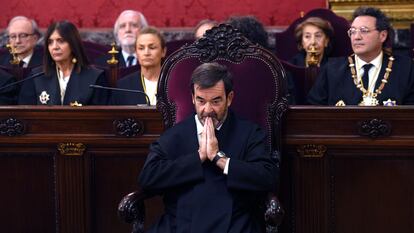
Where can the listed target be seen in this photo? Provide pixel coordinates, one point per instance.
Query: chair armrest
(274, 213)
(131, 209)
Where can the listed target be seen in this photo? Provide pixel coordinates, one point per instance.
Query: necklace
(369, 98)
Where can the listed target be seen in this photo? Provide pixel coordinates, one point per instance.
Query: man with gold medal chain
(372, 75)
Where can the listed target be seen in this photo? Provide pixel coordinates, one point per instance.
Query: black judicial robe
(35, 60)
(197, 196)
(335, 83)
(9, 94)
(299, 59)
(77, 88)
(131, 82)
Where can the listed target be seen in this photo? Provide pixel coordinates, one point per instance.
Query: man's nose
(208, 108)
(128, 27)
(357, 35)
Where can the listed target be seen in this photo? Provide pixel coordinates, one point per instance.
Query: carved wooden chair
(94, 50)
(260, 95)
(303, 79)
(286, 46)
(174, 45)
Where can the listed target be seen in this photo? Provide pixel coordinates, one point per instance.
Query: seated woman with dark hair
(150, 49)
(313, 37)
(67, 74)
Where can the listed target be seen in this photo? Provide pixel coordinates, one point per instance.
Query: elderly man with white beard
(126, 28)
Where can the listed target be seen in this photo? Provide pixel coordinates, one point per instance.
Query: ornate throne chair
(260, 95)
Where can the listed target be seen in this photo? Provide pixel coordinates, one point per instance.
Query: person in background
(23, 34)
(150, 50)
(203, 26)
(251, 28)
(313, 33)
(126, 27)
(67, 74)
(371, 76)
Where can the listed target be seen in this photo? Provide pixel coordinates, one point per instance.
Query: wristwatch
(220, 154)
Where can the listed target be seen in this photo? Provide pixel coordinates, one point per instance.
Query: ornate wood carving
(223, 42)
(311, 151)
(129, 127)
(374, 128)
(71, 149)
(12, 127)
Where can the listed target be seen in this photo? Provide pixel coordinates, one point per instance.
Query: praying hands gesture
(208, 144)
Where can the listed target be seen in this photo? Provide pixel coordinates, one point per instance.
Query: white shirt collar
(376, 62)
(125, 55)
(27, 60)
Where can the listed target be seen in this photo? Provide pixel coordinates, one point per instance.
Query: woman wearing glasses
(313, 36)
(66, 74)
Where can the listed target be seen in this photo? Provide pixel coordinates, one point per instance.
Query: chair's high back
(259, 81)
(113, 73)
(303, 79)
(286, 46)
(174, 45)
(94, 50)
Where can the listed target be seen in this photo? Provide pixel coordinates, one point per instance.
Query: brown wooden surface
(44, 191)
(360, 184)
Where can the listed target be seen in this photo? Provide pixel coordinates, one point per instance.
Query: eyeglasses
(21, 36)
(363, 30)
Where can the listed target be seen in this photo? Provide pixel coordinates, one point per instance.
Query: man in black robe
(213, 168)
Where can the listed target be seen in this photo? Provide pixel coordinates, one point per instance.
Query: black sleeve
(27, 94)
(161, 172)
(257, 171)
(100, 96)
(8, 95)
(319, 93)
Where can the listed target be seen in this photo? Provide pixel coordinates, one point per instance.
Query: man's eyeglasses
(21, 36)
(362, 30)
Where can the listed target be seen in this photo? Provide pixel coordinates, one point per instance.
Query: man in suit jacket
(370, 77)
(126, 28)
(23, 35)
(213, 168)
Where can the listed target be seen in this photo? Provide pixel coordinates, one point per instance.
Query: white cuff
(226, 168)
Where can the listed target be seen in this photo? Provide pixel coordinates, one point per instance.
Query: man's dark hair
(70, 34)
(382, 22)
(208, 74)
(251, 28)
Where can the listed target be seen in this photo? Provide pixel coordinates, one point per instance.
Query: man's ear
(383, 35)
(192, 98)
(230, 98)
